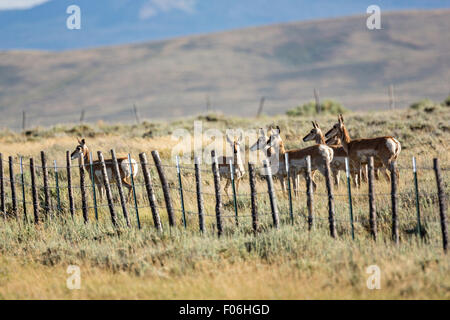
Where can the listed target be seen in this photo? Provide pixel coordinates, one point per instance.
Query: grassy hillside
(289, 263)
(234, 69)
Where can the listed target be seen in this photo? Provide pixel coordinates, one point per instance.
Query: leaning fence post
(329, 185)
(255, 221)
(58, 198)
(108, 189)
(84, 205)
(180, 185)
(46, 189)
(150, 191)
(94, 194)
(165, 187)
(372, 209)
(120, 187)
(198, 184)
(350, 204)
(273, 200)
(2, 187)
(233, 186)
(394, 200)
(24, 202)
(215, 170)
(288, 174)
(134, 191)
(442, 203)
(34, 192)
(13, 186)
(416, 187)
(69, 184)
(309, 194)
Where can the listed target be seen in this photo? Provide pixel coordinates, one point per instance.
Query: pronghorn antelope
(238, 165)
(319, 154)
(339, 154)
(336, 141)
(82, 153)
(386, 149)
(263, 144)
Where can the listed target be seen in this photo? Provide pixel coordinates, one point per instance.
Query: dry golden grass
(288, 263)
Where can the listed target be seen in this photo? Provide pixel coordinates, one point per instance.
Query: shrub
(446, 102)
(309, 109)
(426, 105)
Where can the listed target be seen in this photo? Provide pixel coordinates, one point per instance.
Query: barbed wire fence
(168, 188)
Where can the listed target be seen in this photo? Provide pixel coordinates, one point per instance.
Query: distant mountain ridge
(233, 70)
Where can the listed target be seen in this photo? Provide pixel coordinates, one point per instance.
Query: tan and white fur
(338, 163)
(319, 154)
(263, 144)
(238, 165)
(82, 153)
(386, 149)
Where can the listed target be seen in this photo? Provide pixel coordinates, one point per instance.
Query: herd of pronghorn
(334, 150)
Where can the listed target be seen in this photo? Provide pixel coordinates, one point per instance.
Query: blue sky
(41, 24)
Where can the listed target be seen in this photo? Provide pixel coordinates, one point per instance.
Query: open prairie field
(285, 263)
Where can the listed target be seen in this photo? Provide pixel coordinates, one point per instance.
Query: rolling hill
(233, 70)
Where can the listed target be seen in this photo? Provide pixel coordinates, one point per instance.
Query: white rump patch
(391, 145)
(125, 165)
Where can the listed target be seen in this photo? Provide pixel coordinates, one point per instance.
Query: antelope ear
(83, 142)
(342, 118)
(314, 125)
(317, 125)
(279, 130)
(79, 140)
(228, 139)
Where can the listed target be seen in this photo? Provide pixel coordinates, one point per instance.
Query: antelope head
(261, 143)
(275, 140)
(235, 144)
(337, 129)
(314, 134)
(80, 151)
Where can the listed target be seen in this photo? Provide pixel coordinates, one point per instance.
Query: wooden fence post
(331, 215)
(150, 191)
(84, 205)
(58, 198)
(108, 189)
(133, 189)
(13, 186)
(94, 193)
(372, 208)
(46, 189)
(198, 185)
(123, 202)
(416, 188)
(34, 192)
(288, 175)
(349, 191)
(2, 187)
(394, 200)
(215, 170)
(165, 187)
(273, 200)
(24, 201)
(442, 204)
(180, 184)
(309, 194)
(233, 187)
(69, 184)
(254, 200)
